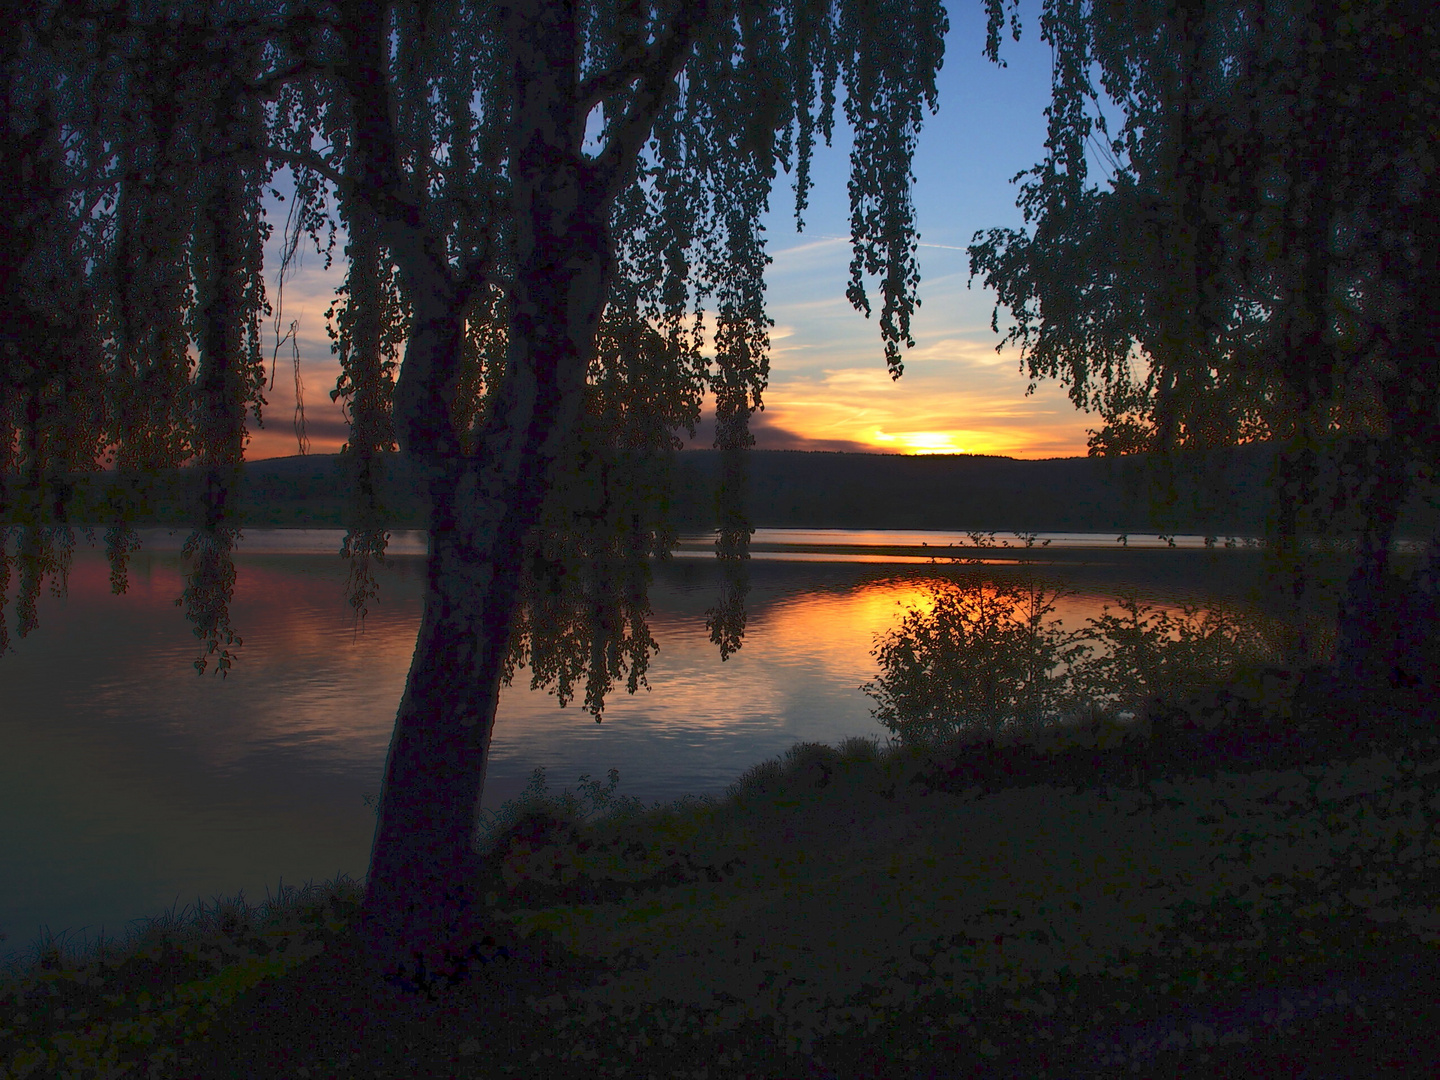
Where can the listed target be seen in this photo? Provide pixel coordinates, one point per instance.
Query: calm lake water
(128, 785)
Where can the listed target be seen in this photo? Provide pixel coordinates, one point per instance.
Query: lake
(129, 785)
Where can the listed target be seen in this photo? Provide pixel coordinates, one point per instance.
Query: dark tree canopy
(552, 212)
(1261, 264)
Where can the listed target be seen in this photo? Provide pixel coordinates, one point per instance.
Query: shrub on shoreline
(984, 660)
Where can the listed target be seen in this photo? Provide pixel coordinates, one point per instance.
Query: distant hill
(792, 488)
(952, 491)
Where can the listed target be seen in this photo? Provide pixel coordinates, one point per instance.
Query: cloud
(824, 245)
(326, 434)
(771, 434)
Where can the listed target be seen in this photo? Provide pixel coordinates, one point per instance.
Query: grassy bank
(1010, 907)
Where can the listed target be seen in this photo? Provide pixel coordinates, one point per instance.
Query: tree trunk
(1381, 626)
(1420, 666)
(419, 886)
(421, 861)
(1286, 577)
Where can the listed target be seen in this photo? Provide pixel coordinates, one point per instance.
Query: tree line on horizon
(803, 489)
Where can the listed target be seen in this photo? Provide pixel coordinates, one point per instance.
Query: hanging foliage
(1255, 268)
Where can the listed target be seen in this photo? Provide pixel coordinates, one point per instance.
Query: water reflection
(128, 784)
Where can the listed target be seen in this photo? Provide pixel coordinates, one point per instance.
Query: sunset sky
(829, 389)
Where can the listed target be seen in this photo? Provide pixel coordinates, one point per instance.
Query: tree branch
(379, 181)
(266, 86)
(662, 62)
(482, 269)
(290, 157)
(299, 33)
(599, 87)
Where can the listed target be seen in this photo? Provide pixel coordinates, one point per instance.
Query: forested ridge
(804, 489)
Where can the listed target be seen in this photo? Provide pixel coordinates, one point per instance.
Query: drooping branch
(661, 64)
(344, 184)
(300, 31)
(481, 267)
(379, 181)
(267, 86)
(598, 87)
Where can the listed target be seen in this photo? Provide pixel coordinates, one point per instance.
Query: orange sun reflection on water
(832, 636)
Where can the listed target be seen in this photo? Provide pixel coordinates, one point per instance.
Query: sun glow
(921, 442)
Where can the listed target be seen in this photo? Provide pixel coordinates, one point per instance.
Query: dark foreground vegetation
(1320, 970)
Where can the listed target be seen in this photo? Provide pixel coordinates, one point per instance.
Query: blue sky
(829, 389)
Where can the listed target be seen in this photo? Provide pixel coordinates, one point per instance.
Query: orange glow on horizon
(922, 442)
(906, 444)
(932, 411)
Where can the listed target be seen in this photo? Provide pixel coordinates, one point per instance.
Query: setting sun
(920, 442)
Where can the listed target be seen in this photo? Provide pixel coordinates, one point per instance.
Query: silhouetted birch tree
(555, 251)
